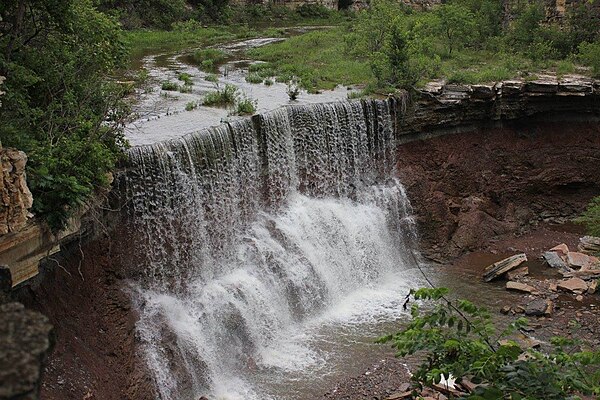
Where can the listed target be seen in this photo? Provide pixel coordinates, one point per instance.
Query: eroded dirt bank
(95, 353)
(466, 188)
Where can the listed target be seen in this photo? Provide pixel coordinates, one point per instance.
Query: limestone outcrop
(441, 105)
(16, 197)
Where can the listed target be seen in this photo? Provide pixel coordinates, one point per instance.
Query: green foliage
(208, 59)
(245, 106)
(211, 78)
(192, 105)
(169, 86)
(254, 78)
(456, 25)
(145, 13)
(591, 217)
(186, 79)
(222, 97)
(59, 107)
(313, 11)
(589, 54)
(460, 339)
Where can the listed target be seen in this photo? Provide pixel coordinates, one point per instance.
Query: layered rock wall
(16, 198)
(483, 161)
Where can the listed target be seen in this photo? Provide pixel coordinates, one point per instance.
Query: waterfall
(249, 232)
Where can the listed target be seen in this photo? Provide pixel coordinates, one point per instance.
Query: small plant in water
(245, 106)
(222, 97)
(268, 82)
(211, 78)
(186, 79)
(293, 90)
(254, 78)
(192, 105)
(169, 86)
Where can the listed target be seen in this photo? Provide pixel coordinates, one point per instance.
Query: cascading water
(255, 235)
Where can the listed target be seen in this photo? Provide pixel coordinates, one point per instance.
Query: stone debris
(561, 248)
(589, 245)
(555, 261)
(592, 287)
(583, 261)
(539, 307)
(520, 287)
(517, 273)
(574, 285)
(503, 266)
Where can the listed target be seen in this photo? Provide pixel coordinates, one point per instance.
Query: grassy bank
(318, 58)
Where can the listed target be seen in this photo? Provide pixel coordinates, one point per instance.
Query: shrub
(211, 78)
(589, 54)
(245, 106)
(460, 340)
(186, 79)
(192, 105)
(313, 11)
(208, 59)
(254, 78)
(169, 86)
(591, 217)
(222, 97)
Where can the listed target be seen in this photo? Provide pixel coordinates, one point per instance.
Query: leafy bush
(222, 97)
(591, 217)
(460, 340)
(254, 78)
(245, 106)
(186, 79)
(307, 10)
(589, 54)
(59, 107)
(169, 86)
(208, 59)
(192, 105)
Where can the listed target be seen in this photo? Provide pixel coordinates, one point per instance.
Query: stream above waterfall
(162, 115)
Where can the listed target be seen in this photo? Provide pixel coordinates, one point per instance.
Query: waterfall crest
(249, 231)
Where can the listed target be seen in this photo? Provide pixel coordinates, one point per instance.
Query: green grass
(186, 79)
(317, 58)
(211, 78)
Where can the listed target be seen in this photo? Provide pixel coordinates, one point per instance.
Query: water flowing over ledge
(251, 231)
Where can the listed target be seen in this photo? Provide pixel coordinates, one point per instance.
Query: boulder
(539, 307)
(574, 285)
(503, 266)
(555, 261)
(520, 287)
(583, 261)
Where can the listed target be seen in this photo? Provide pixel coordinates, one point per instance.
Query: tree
(456, 25)
(59, 106)
(591, 216)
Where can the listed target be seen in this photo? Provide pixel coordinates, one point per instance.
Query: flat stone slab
(583, 261)
(503, 266)
(574, 285)
(539, 307)
(520, 287)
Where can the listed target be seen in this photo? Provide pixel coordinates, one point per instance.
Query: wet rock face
(24, 344)
(16, 199)
(469, 187)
